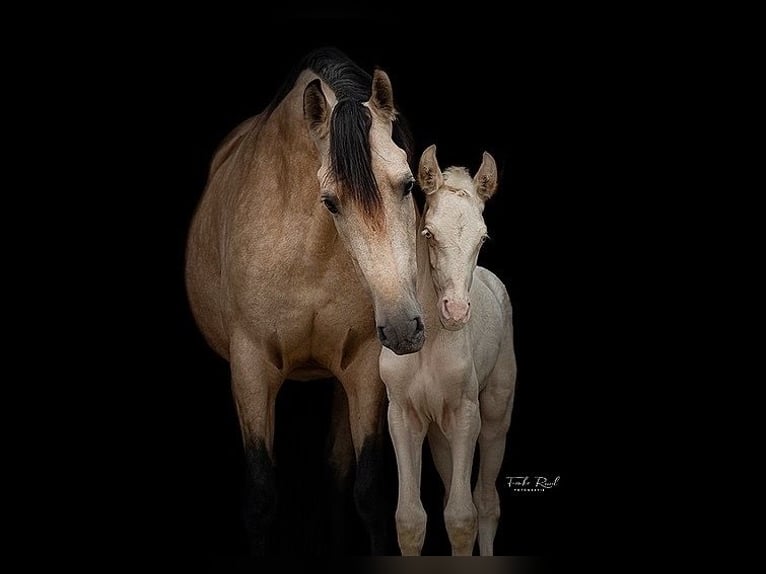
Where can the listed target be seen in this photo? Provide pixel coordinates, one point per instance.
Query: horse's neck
(287, 152)
(286, 146)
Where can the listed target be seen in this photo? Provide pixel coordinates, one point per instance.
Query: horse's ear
(316, 110)
(429, 173)
(382, 99)
(486, 178)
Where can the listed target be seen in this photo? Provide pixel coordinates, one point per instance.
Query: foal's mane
(350, 158)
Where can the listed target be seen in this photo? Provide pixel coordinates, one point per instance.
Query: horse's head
(455, 230)
(366, 184)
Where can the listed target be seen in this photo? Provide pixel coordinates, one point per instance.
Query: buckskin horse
(301, 262)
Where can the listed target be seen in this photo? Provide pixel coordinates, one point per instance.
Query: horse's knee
(260, 502)
(411, 528)
(461, 522)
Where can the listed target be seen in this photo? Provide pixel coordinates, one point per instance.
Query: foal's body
(459, 387)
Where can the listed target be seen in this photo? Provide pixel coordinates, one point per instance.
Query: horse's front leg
(255, 384)
(366, 408)
(460, 515)
(407, 432)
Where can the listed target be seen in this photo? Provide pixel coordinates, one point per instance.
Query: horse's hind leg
(255, 384)
(496, 402)
(366, 404)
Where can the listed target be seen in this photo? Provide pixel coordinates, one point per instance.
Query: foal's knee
(411, 528)
(461, 523)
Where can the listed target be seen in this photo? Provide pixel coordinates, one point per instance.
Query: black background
(537, 108)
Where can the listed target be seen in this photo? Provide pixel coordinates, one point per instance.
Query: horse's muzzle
(403, 337)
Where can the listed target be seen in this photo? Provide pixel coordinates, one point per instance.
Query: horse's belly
(308, 374)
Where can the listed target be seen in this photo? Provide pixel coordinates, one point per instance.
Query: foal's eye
(408, 187)
(330, 204)
(427, 234)
(484, 238)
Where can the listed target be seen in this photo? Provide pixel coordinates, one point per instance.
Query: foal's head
(455, 230)
(366, 184)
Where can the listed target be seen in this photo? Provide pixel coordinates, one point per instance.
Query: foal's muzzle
(454, 313)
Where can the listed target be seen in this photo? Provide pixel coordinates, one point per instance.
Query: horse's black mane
(349, 124)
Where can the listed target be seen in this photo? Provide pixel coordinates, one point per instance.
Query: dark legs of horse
(367, 407)
(369, 492)
(340, 468)
(255, 384)
(260, 496)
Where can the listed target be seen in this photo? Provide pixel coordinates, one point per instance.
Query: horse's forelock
(350, 155)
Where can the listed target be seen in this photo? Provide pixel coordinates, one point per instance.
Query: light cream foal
(459, 387)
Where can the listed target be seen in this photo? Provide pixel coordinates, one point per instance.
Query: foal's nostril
(381, 335)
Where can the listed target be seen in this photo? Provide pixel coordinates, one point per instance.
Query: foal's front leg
(460, 514)
(407, 433)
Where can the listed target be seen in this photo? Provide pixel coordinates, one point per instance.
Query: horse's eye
(330, 204)
(408, 187)
(484, 237)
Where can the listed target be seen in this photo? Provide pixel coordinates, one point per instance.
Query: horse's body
(301, 256)
(459, 387)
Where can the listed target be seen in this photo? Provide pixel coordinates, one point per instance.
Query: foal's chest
(428, 382)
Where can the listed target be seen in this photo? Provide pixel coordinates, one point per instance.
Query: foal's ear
(316, 110)
(486, 178)
(382, 98)
(429, 173)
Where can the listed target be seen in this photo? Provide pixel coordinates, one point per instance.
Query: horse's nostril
(418, 325)
(381, 334)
